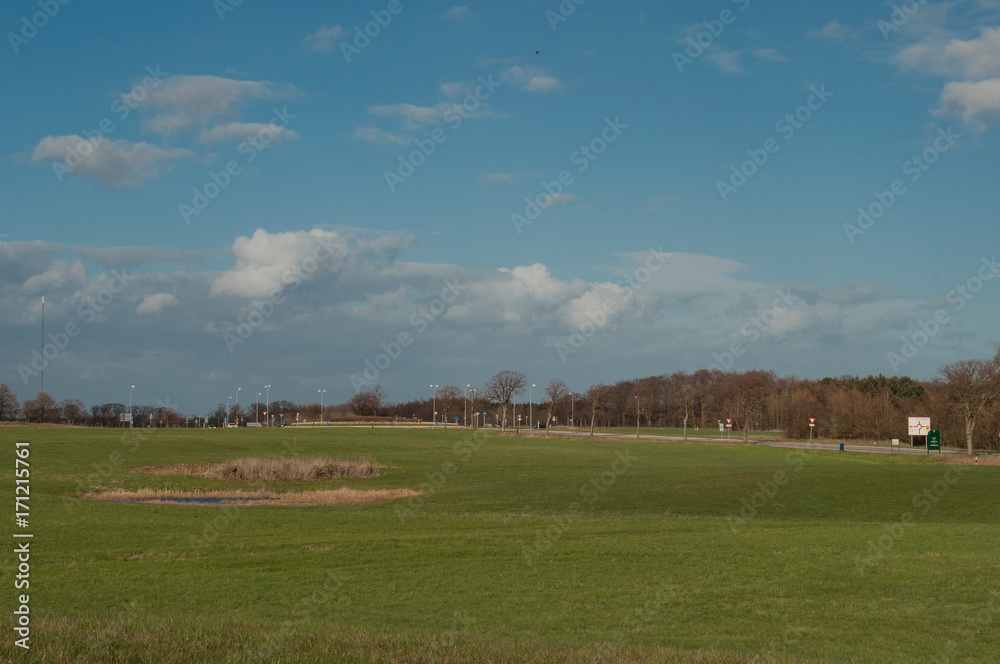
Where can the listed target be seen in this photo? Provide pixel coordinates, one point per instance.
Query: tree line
(963, 402)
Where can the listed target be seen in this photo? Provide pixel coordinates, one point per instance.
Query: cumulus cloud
(241, 131)
(458, 14)
(345, 292)
(184, 102)
(324, 39)
(118, 164)
(531, 79)
(154, 304)
(833, 31)
(974, 101)
(375, 135)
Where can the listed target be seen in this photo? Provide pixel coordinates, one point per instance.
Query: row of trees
(963, 402)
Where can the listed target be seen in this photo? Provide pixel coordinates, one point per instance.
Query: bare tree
(556, 392)
(972, 386)
(447, 397)
(40, 409)
(367, 402)
(750, 392)
(599, 398)
(72, 410)
(10, 408)
(503, 387)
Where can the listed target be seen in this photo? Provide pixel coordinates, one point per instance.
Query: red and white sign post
(812, 425)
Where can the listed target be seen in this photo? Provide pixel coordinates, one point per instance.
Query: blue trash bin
(841, 447)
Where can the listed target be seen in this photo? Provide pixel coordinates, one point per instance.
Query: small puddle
(194, 501)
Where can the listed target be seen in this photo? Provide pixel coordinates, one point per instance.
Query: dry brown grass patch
(342, 496)
(270, 469)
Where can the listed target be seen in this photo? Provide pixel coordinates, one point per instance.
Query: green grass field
(519, 550)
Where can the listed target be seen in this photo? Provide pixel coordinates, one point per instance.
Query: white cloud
(324, 39)
(559, 199)
(118, 164)
(154, 304)
(376, 135)
(458, 14)
(531, 79)
(414, 115)
(835, 31)
(978, 58)
(241, 131)
(975, 101)
(186, 102)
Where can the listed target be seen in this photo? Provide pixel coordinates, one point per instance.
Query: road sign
(919, 426)
(933, 440)
(812, 420)
(729, 420)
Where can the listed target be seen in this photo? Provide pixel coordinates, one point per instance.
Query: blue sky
(309, 123)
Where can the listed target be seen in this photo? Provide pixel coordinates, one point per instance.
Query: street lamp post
(267, 404)
(529, 405)
(465, 417)
(256, 410)
(434, 407)
(238, 389)
(572, 409)
(229, 409)
(321, 393)
(130, 406)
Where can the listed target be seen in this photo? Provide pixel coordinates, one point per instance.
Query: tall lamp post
(465, 417)
(229, 408)
(256, 410)
(434, 407)
(529, 405)
(267, 405)
(572, 409)
(321, 393)
(238, 389)
(132, 387)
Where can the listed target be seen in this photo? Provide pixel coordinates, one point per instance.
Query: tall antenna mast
(43, 344)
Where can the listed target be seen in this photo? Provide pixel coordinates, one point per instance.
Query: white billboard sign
(919, 426)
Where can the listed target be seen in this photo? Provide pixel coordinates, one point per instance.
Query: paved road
(832, 447)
